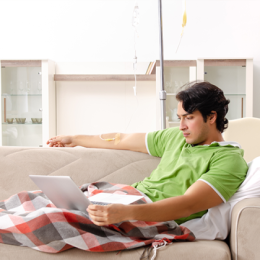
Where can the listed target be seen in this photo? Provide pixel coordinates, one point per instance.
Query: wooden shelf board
(178, 63)
(21, 63)
(74, 77)
(225, 62)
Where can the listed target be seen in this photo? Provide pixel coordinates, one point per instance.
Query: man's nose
(182, 125)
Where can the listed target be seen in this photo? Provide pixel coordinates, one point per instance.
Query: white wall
(95, 30)
(105, 107)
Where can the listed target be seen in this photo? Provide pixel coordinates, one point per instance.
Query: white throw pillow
(215, 224)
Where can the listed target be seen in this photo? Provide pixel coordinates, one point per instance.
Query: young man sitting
(198, 169)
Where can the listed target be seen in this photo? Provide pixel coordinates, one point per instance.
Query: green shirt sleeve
(157, 141)
(226, 172)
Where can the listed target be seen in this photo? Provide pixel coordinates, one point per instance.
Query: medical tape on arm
(116, 138)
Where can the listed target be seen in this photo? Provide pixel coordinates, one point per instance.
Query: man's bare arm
(200, 196)
(133, 142)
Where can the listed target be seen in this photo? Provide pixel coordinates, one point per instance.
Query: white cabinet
(235, 78)
(176, 74)
(28, 113)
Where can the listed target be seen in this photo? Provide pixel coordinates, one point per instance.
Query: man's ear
(212, 117)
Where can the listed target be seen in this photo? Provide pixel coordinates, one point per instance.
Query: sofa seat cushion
(198, 250)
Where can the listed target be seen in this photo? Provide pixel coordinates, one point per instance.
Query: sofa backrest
(245, 131)
(84, 165)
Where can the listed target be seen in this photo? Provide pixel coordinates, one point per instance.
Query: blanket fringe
(157, 244)
(147, 250)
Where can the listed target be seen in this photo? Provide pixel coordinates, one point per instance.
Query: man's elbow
(191, 207)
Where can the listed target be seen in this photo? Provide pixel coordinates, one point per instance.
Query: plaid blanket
(30, 219)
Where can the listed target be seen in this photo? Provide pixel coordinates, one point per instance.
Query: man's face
(194, 129)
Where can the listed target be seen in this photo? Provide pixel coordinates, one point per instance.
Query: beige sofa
(88, 165)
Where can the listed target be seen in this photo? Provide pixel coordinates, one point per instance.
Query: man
(197, 171)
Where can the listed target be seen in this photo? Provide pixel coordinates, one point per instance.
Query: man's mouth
(185, 134)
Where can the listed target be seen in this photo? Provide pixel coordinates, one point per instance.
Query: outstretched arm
(133, 142)
(200, 196)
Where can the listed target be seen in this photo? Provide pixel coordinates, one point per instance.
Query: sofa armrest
(245, 230)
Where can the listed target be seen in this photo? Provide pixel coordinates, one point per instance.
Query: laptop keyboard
(100, 203)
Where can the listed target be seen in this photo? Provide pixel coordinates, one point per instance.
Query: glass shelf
(17, 95)
(21, 124)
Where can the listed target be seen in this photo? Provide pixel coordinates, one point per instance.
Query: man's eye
(189, 118)
(179, 118)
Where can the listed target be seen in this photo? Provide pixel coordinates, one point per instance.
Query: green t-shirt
(181, 165)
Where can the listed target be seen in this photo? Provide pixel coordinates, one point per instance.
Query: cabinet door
(21, 105)
(174, 78)
(235, 78)
(232, 80)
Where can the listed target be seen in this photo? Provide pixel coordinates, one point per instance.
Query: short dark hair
(205, 97)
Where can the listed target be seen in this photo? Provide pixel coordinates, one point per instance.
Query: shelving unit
(177, 72)
(233, 76)
(27, 91)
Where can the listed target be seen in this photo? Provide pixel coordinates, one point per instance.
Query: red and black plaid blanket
(30, 219)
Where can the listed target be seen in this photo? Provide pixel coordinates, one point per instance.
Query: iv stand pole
(162, 93)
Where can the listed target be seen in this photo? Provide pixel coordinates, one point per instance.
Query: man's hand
(110, 214)
(62, 141)
(200, 196)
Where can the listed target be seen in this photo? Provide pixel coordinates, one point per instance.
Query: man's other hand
(61, 141)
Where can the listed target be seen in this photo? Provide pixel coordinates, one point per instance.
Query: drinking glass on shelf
(167, 86)
(39, 86)
(174, 115)
(171, 87)
(28, 87)
(11, 87)
(176, 86)
(21, 86)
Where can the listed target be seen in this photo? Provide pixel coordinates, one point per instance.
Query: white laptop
(64, 193)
